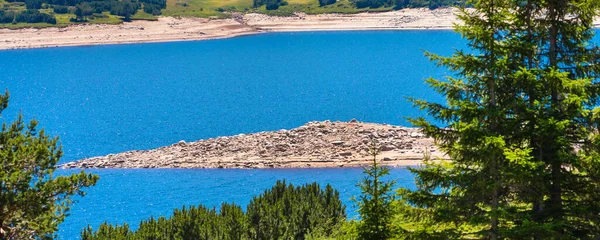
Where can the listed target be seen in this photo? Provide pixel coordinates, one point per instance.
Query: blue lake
(107, 99)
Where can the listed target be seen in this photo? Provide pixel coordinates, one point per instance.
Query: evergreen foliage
(154, 6)
(375, 202)
(33, 202)
(373, 3)
(288, 212)
(7, 16)
(326, 2)
(33, 4)
(60, 9)
(270, 4)
(27, 16)
(400, 4)
(431, 4)
(34, 16)
(283, 212)
(126, 9)
(83, 10)
(520, 125)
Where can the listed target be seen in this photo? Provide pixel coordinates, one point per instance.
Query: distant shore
(167, 29)
(313, 145)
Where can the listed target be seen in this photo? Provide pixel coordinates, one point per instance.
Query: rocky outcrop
(315, 144)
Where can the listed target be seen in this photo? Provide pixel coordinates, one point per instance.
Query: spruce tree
(467, 192)
(375, 202)
(560, 66)
(520, 123)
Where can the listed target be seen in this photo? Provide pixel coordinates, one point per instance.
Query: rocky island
(313, 145)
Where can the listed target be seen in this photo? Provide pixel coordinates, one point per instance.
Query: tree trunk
(556, 163)
(493, 123)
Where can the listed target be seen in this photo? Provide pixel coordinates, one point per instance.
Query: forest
(397, 4)
(27, 16)
(43, 11)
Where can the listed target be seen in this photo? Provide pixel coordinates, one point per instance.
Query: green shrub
(34, 16)
(326, 2)
(60, 9)
(270, 4)
(288, 212)
(283, 212)
(7, 16)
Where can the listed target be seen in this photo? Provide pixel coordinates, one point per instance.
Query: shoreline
(175, 29)
(249, 169)
(171, 29)
(314, 145)
(92, 44)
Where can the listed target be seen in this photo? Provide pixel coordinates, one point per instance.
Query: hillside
(16, 14)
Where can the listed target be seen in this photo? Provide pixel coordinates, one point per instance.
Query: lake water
(108, 99)
(136, 194)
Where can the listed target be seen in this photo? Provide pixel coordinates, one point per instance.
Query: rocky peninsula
(313, 145)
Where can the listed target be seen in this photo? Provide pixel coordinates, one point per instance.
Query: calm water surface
(108, 99)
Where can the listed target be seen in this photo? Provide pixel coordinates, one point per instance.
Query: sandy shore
(181, 29)
(313, 145)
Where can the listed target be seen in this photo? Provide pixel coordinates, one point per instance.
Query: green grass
(205, 8)
(141, 15)
(109, 19)
(29, 25)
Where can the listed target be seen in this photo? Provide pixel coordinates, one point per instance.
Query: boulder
(388, 147)
(346, 154)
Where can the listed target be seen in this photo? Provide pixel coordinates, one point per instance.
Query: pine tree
(375, 202)
(520, 124)
(33, 202)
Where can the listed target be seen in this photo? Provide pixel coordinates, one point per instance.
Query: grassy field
(141, 15)
(205, 8)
